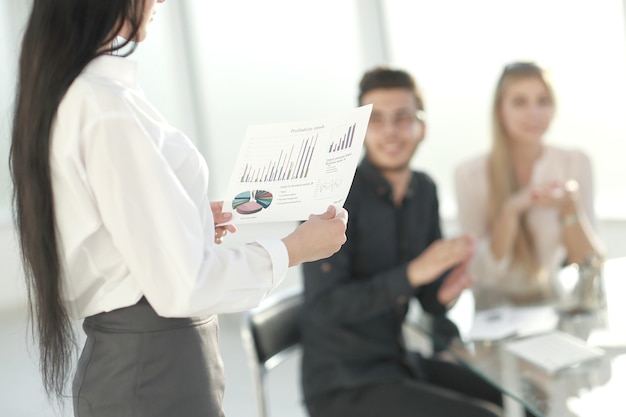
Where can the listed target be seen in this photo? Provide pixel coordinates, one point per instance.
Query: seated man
(355, 362)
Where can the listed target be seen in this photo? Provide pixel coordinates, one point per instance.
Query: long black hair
(61, 38)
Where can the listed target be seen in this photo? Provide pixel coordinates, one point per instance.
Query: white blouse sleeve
(161, 232)
(471, 189)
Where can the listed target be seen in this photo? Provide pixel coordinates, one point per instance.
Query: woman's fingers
(219, 217)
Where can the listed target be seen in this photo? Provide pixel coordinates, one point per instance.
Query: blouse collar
(120, 69)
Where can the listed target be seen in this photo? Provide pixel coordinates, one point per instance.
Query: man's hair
(384, 77)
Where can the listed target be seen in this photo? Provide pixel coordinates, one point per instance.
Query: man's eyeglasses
(400, 120)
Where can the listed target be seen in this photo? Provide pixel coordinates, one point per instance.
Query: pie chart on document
(250, 202)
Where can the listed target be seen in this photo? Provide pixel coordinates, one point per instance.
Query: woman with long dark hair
(115, 225)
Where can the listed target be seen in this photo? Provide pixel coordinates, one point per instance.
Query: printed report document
(287, 171)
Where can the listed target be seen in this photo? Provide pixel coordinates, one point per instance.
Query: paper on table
(604, 338)
(287, 171)
(502, 322)
(553, 351)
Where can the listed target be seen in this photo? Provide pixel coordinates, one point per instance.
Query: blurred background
(213, 68)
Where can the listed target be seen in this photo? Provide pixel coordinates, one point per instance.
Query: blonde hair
(501, 175)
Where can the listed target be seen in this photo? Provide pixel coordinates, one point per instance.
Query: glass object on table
(580, 288)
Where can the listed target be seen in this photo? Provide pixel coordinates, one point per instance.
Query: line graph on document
(327, 187)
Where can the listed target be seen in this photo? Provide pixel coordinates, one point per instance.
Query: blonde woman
(529, 203)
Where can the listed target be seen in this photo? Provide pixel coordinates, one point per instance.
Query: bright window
(457, 48)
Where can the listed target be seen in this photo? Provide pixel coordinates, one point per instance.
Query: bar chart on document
(287, 159)
(340, 147)
(286, 171)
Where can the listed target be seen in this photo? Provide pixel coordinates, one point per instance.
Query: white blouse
(498, 282)
(132, 214)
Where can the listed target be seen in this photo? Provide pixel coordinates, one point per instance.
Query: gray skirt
(138, 364)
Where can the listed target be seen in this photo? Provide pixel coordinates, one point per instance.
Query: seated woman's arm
(578, 215)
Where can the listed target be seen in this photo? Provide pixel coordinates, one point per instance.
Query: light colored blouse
(132, 214)
(499, 282)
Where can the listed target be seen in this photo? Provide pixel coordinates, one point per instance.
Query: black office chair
(271, 334)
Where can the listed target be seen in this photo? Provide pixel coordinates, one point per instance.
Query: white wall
(13, 293)
(12, 16)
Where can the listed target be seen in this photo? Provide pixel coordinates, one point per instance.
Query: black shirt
(356, 300)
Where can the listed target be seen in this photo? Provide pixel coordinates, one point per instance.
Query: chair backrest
(271, 333)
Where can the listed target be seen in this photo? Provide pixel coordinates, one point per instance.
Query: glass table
(593, 388)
